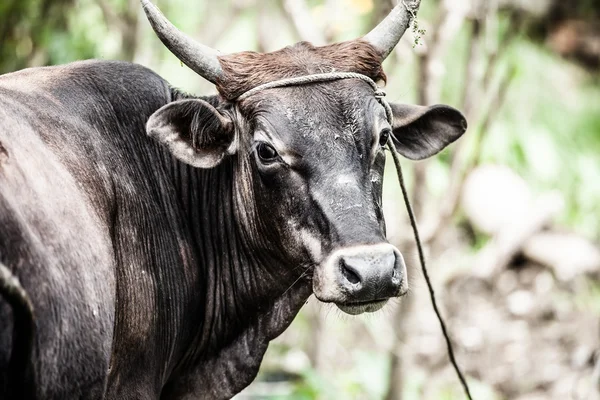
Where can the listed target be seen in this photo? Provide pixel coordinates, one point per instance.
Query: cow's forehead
(331, 113)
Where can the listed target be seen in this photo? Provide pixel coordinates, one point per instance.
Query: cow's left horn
(385, 36)
(200, 58)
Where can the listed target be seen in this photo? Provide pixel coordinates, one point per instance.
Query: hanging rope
(413, 223)
(380, 96)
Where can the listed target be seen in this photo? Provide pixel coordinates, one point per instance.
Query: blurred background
(510, 214)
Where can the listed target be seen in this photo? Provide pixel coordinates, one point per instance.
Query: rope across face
(379, 93)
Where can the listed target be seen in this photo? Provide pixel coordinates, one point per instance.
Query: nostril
(396, 268)
(349, 273)
(397, 274)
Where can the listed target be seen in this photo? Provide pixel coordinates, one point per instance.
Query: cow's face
(312, 158)
(309, 159)
(318, 151)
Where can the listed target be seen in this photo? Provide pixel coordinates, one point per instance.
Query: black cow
(153, 243)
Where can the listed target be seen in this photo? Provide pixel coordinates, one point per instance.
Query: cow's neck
(239, 305)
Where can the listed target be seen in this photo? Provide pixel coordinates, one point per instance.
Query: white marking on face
(348, 184)
(345, 180)
(312, 244)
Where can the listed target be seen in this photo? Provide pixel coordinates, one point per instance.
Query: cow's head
(310, 157)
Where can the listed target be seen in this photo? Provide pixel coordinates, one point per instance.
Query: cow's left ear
(420, 132)
(194, 131)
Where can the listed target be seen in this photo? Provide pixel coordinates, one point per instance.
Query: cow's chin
(359, 308)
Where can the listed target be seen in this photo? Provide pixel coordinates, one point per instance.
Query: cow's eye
(384, 136)
(266, 152)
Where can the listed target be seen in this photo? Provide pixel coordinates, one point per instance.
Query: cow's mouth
(356, 308)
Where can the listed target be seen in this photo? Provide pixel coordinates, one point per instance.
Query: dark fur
(121, 248)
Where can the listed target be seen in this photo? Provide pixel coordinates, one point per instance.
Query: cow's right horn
(385, 36)
(200, 58)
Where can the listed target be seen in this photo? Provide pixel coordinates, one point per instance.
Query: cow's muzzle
(361, 278)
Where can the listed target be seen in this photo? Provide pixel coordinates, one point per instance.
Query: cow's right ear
(194, 131)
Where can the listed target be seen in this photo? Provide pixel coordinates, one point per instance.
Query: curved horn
(385, 36)
(200, 58)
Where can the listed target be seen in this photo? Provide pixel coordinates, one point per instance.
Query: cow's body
(97, 215)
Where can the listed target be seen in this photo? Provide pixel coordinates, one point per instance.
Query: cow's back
(70, 155)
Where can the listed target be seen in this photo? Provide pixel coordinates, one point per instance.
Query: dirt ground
(523, 334)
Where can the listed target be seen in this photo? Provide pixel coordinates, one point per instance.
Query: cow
(152, 242)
